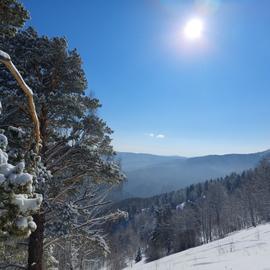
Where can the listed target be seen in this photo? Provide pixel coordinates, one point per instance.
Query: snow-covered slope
(244, 250)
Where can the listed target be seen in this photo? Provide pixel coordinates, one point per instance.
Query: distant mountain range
(149, 175)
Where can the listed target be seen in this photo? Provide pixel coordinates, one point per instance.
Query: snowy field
(244, 250)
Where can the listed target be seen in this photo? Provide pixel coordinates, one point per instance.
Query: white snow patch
(181, 206)
(22, 223)
(27, 204)
(6, 168)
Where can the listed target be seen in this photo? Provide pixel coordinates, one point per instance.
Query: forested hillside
(149, 175)
(198, 214)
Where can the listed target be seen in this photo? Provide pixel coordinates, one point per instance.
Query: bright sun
(193, 29)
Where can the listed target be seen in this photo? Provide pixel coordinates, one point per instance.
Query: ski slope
(244, 250)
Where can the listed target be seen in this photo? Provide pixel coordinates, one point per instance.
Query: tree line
(200, 213)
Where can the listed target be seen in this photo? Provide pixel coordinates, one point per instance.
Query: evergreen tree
(75, 141)
(12, 17)
(160, 242)
(138, 256)
(17, 197)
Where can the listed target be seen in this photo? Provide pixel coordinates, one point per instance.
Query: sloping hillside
(135, 161)
(149, 175)
(244, 250)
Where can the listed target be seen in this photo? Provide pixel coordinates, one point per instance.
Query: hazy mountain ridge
(148, 175)
(132, 161)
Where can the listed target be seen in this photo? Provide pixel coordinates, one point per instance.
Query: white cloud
(160, 136)
(153, 135)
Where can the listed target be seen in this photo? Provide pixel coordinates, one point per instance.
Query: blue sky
(164, 94)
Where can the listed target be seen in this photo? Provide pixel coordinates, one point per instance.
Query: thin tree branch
(6, 60)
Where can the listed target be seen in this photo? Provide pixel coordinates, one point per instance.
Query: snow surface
(26, 204)
(244, 250)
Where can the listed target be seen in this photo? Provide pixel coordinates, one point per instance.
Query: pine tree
(138, 256)
(12, 17)
(17, 197)
(160, 242)
(75, 141)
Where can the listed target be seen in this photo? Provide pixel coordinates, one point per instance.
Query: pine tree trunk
(35, 247)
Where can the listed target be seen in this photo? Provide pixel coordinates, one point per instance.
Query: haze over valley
(148, 175)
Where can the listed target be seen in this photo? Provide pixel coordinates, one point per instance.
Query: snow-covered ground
(244, 250)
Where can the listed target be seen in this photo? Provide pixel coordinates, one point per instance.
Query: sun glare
(193, 29)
